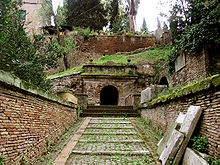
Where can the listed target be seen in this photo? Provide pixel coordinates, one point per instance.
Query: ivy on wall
(195, 25)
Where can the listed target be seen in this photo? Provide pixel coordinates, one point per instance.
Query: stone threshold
(130, 153)
(111, 141)
(120, 122)
(110, 127)
(97, 118)
(109, 133)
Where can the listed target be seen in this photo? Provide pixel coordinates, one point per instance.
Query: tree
(20, 56)
(165, 27)
(121, 21)
(65, 44)
(158, 23)
(144, 26)
(86, 13)
(133, 9)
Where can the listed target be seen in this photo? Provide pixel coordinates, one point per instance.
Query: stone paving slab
(110, 130)
(109, 118)
(110, 125)
(110, 122)
(129, 153)
(107, 160)
(109, 133)
(63, 156)
(111, 137)
(110, 141)
(110, 146)
(96, 127)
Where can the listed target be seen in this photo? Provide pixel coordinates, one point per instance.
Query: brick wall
(97, 46)
(114, 44)
(197, 66)
(161, 115)
(28, 121)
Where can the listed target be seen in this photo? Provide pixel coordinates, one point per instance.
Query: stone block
(151, 92)
(192, 158)
(180, 118)
(146, 95)
(180, 62)
(163, 142)
(172, 147)
(188, 126)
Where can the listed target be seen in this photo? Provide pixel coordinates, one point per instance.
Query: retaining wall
(160, 112)
(30, 119)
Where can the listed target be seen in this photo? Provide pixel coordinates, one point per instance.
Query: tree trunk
(65, 61)
(131, 20)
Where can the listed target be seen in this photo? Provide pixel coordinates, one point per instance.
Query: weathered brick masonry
(113, 44)
(29, 121)
(161, 114)
(97, 46)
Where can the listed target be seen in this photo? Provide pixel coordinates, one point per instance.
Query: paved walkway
(106, 141)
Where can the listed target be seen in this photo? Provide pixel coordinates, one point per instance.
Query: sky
(148, 9)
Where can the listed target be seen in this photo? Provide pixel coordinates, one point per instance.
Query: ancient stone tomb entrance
(109, 95)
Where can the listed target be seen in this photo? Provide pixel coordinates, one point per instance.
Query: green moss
(153, 55)
(188, 89)
(76, 69)
(216, 80)
(110, 74)
(27, 86)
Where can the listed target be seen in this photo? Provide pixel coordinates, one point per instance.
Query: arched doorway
(163, 81)
(109, 96)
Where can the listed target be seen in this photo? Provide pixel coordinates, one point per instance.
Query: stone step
(110, 127)
(109, 122)
(91, 114)
(111, 141)
(130, 153)
(109, 118)
(109, 133)
(110, 159)
(107, 107)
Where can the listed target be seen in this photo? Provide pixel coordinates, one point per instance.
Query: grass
(151, 56)
(109, 74)
(76, 69)
(148, 130)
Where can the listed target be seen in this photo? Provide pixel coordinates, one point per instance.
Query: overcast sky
(150, 9)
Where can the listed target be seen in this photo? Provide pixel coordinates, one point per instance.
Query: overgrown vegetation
(23, 57)
(192, 87)
(153, 135)
(76, 69)
(200, 143)
(2, 159)
(151, 56)
(195, 26)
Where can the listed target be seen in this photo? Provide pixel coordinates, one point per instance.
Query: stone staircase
(109, 110)
(110, 141)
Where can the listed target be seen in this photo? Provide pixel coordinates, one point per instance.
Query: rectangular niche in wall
(180, 62)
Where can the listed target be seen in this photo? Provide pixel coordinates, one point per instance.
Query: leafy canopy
(195, 25)
(19, 55)
(86, 13)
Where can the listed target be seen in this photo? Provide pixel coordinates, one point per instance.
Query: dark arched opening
(109, 95)
(163, 81)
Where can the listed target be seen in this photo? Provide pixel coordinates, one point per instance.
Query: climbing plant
(195, 25)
